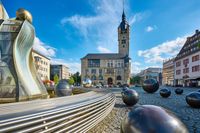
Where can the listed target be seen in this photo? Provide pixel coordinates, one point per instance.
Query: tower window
(123, 46)
(123, 41)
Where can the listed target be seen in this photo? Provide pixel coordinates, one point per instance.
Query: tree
(56, 79)
(77, 78)
(71, 80)
(135, 80)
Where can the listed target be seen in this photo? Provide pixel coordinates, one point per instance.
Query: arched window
(119, 77)
(93, 77)
(100, 77)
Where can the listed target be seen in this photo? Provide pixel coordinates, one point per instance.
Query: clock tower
(123, 36)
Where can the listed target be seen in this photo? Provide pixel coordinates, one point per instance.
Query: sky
(66, 30)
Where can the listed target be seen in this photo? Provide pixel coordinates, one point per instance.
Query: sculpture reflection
(18, 79)
(130, 97)
(152, 119)
(150, 85)
(165, 92)
(193, 99)
(63, 88)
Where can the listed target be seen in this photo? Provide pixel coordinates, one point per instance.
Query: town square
(100, 66)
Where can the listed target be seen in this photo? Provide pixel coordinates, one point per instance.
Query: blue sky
(67, 30)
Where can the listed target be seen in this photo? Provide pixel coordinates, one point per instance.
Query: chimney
(197, 31)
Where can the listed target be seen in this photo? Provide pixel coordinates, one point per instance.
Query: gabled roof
(190, 46)
(3, 13)
(105, 56)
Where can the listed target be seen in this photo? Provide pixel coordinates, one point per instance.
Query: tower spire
(123, 14)
(3, 13)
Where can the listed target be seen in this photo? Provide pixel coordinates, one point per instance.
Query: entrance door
(110, 81)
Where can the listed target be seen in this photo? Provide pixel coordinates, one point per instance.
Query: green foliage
(77, 78)
(135, 80)
(56, 79)
(71, 80)
(198, 45)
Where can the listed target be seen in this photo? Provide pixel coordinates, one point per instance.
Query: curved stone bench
(65, 114)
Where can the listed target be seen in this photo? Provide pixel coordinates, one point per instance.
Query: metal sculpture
(130, 97)
(165, 92)
(193, 99)
(152, 119)
(63, 88)
(18, 78)
(87, 82)
(178, 91)
(150, 85)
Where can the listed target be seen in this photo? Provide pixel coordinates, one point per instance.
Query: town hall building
(110, 68)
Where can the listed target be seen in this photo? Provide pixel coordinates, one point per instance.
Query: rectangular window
(186, 61)
(195, 58)
(178, 72)
(178, 64)
(93, 71)
(186, 70)
(93, 63)
(123, 41)
(110, 71)
(195, 68)
(100, 71)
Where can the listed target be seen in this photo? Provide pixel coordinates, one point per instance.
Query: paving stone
(175, 103)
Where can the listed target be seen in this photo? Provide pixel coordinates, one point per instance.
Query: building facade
(42, 65)
(168, 72)
(151, 72)
(111, 68)
(61, 70)
(187, 62)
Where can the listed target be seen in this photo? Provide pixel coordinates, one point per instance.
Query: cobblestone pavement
(176, 103)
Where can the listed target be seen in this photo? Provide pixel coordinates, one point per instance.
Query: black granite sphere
(130, 97)
(178, 91)
(124, 88)
(193, 99)
(165, 92)
(151, 119)
(63, 88)
(150, 85)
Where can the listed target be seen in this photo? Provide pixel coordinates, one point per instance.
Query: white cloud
(162, 51)
(101, 29)
(43, 48)
(103, 50)
(150, 28)
(135, 67)
(136, 63)
(49, 51)
(74, 66)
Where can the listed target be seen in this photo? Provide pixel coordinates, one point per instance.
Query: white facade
(42, 65)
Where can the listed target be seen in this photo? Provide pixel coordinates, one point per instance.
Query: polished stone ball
(178, 91)
(151, 119)
(63, 88)
(124, 88)
(87, 82)
(193, 99)
(165, 92)
(150, 85)
(130, 97)
(23, 14)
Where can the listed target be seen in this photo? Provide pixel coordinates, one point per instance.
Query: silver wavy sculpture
(18, 78)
